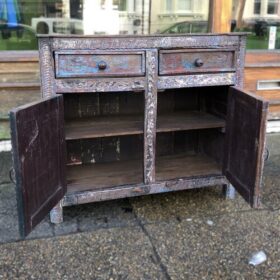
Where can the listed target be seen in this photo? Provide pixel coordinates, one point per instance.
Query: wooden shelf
(180, 166)
(134, 124)
(103, 175)
(104, 127)
(187, 121)
(112, 174)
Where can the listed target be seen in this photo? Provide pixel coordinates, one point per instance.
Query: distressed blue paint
(71, 66)
(124, 65)
(124, 62)
(187, 64)
(77, 65)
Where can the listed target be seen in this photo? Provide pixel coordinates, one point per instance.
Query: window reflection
(179, 16)
(257, 7)
(21, 20)
(272, 7)
(262, 19)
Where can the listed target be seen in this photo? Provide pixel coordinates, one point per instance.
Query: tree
(239, 12)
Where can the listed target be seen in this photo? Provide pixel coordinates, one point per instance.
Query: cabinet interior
(104, 139)
(194, 144)
(105, 136)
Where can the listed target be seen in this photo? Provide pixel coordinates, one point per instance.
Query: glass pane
(179, 16)
(257, 7)
(168, 5)
(21, 20)
(184, 5)
(261, 18)
(272, 7)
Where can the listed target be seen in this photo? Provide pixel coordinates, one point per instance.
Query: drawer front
(92, 64)
(172, 62)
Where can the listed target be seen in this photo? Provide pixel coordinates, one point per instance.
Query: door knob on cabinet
(102, 65)
(198, 62)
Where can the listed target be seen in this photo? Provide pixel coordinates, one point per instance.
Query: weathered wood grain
(74, 198)
(182, 62)
(174, 166)
(99, 85)
(198, 80)
(39, 158)
(143, 42)
(134, 124)
(113, 174)
(99, 64)
(150, 116)
(245, 142)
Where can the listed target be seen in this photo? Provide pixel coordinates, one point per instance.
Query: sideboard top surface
(143, 41)
(148, 36)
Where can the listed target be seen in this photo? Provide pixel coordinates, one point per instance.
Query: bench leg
(56, 214)
(229, 191)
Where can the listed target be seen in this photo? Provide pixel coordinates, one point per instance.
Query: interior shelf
(103, 175)
(104, 127)
(187, 120)
(180, 166)
(106, 175)
(134, 124)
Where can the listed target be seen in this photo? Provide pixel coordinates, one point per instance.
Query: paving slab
(44, 229)
(8, 214)
(271, 178)
(185, 205)
(198, 249)
(5, 165)
(273, 143)
(8, 204)
(119, 253)
(106, 214)
(87, 217)
(8, 228)
(271, 181)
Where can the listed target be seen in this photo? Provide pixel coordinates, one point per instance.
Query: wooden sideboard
(127, 116)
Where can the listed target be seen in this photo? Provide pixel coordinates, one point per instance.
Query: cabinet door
(37, 132)
(245, 141)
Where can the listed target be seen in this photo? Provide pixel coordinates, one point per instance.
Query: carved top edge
(145, 42)
(151, 35)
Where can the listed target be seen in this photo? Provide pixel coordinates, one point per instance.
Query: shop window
(173, 6)
(121, 4)
(184, 5)
(21, 20)
(168, 5)
(257, 7)
(272, 7)
(262, 19)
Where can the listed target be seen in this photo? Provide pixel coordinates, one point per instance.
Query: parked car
(187, 27)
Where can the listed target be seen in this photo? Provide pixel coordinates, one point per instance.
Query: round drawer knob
(102, 65)
(198, 62)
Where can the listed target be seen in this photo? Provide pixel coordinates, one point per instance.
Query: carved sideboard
(134, 115)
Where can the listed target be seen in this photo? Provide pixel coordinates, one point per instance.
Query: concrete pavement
(194, 234)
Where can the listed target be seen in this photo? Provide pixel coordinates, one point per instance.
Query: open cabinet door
(37, 132)
(245, 142)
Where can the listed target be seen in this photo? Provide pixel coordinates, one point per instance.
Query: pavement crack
(156, 254)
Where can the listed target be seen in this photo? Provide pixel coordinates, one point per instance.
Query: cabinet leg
(56, 214)
(229, 191)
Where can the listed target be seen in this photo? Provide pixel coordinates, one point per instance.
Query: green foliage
(27, 41)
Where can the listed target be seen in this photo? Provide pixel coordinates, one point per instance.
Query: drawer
(172, 62)
(82, 64)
